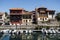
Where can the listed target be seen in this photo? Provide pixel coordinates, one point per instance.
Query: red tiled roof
(16, 9)
(50, 10)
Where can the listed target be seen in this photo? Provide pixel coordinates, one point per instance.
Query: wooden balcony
(15, 13)
(42, 12)
(20, 14)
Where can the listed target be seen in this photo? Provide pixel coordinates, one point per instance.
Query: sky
(29, 5)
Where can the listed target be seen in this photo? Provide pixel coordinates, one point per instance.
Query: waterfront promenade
(18, 27)
(33, 26)
(35, 35)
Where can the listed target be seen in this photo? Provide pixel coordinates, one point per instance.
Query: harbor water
(30, 36)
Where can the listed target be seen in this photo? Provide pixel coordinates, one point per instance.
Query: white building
(43, 14)
(2, 18)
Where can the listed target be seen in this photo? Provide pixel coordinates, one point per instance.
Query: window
(33, 15)
(23, 20)
(26, 20)
(24, 17)
(45, 18)
(14, 12)
(8, 17)
(29, 16)
(29, 20)
(0, 17)
(41, 18)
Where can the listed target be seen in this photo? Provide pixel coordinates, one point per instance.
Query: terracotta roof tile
(16, 9)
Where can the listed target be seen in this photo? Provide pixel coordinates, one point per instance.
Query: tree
(58, 16)
(6, 14)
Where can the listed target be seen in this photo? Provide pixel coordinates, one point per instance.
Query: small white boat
(27, 31)
(44, 30)
(14, 31)
(58, 30)
(21, 31)
(5, 31)
(52, 30)
(30, 31)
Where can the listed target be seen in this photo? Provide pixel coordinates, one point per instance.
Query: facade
(34, 17)
(7, 20)
(19, 16)
(43, 14)
(27, 18)
(2, 18)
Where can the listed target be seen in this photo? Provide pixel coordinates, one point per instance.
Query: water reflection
(32, 36)
(6, 37)
(35, 36)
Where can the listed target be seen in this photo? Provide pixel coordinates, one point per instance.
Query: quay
(35, 35)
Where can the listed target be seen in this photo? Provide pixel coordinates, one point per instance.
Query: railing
(18, 26)
(15, 13)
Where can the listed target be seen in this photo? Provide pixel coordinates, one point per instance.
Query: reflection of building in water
(35, 36)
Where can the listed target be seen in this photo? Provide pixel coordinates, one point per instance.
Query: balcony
(15, 13)
(42, 11)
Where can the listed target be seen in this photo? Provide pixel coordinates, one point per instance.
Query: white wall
(50, 16)
(3, 17)
(46, 19)
(28, 22)
(40, 19)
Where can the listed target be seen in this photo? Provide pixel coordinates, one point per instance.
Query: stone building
(43, 14)
(19, 16)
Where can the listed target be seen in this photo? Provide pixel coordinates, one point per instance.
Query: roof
(45, 8)
(23, 13)
(1, 13)
(42, 7)
(16, 8)
(26, 13)
(50, 10)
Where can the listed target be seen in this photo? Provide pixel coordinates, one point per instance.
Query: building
(19, 16)
(7, 20)
(34, 17)
(27, 18)
(2, 18)
(43, 14)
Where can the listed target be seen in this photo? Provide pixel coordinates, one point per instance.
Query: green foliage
(6, 14)
(58, 16)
